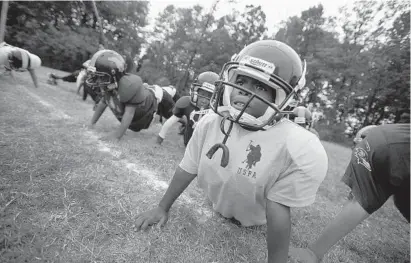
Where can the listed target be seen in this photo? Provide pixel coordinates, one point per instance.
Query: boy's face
(239, 98)
(203, 98)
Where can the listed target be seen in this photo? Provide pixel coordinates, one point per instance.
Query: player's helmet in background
(270, 62)
(105, 69)
(302, 116)
(362, 133)
(205, 83)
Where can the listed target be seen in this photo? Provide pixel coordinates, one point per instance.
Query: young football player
(77, 76)
(193, 107)
(18, 59)
(253, 168)
(379, 168)
(131, 103)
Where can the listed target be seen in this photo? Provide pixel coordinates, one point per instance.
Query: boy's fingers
(145, 225)
(138, 223)
(163, 221)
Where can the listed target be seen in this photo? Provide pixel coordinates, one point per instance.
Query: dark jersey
(380, 167)
(131, 92)
(184, 107)
(166, 105)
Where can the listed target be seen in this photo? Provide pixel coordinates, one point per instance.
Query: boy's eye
(260, 87)
(239, 82)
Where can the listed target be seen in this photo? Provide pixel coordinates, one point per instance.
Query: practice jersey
(285, 164)
(166, 105)
(184, 107)
(380, 167)
(4, 55)
(131, 92)
(28, 60)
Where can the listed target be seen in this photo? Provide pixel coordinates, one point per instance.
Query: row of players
(254, 164)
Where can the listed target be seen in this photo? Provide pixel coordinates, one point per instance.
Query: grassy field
(66, 196)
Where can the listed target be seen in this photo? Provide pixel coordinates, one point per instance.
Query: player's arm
(101, 106)
(181, 180)
(278, 231)
(351, 216)
(34, 77)
(128, 115)
(166, 126)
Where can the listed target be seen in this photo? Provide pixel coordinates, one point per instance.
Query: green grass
(65, 196)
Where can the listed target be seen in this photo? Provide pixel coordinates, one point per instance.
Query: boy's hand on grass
(150, 217)
(111, 137)
(159, 140)
(303, 255)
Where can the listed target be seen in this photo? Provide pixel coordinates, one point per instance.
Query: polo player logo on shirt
(362, 158)
(253, 157)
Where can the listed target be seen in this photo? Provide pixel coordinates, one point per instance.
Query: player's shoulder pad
(209, 118)
(183, 102)
(130, 86)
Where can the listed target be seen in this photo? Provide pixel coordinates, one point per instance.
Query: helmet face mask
(98, 79)
(270, 62)
(202, 89)
(105, 69)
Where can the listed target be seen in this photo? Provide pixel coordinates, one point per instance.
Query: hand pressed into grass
(304, 255)
(110, 137)
(153, 216)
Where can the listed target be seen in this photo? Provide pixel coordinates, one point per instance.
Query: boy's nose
(244, 93)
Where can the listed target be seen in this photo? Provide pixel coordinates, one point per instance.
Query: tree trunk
(97, 17)
(3, 19)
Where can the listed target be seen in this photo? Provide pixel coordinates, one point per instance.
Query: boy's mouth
(239, 105)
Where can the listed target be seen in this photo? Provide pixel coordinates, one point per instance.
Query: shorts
(142, 123)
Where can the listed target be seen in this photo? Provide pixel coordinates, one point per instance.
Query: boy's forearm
(351, 215)
(278, 232)
(98, 112)
(34, 77)
(179, 183)
(125, 121)
(167, 125)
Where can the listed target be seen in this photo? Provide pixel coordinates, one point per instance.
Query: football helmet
(204, 83)
(105, 69)
(270, 62)
(301, 116)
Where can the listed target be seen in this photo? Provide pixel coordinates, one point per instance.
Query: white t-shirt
(29, 61)
(4, 55)
(285, 164)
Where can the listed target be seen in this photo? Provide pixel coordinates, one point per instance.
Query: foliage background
(358, 62)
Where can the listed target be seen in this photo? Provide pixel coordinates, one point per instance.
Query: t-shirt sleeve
(307, 167)
(192, 155)
(131, 90)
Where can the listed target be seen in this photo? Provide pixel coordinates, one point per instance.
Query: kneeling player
(132, 104)
(18, 59)
(192, 107)
(379, 168)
